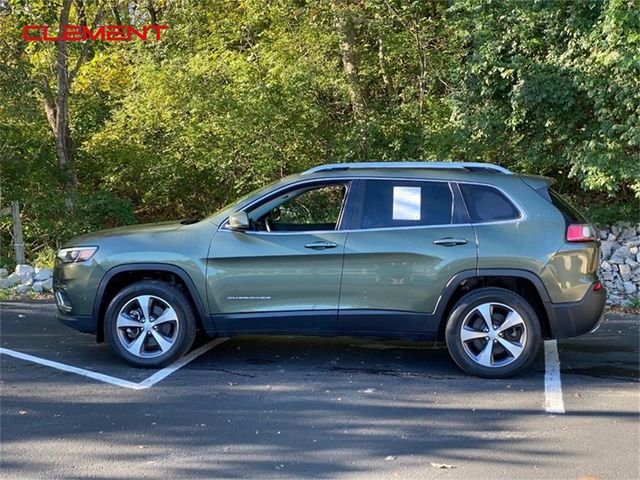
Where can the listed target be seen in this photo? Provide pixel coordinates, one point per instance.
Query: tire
(498, 350)
(154, 336)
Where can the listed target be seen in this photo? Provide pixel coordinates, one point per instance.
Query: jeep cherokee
(489, 261)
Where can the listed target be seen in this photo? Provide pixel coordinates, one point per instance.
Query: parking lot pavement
(257, 407)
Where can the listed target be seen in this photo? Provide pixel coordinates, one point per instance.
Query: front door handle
(321, 245)
(450, 242)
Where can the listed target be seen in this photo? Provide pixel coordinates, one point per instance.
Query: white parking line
(149, 382)
(181, 362)
(553, 402)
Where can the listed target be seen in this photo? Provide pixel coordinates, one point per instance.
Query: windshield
(240, 201)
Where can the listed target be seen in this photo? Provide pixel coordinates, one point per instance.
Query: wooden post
(18, 243)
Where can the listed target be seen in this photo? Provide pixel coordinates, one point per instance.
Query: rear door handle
(450, 241)
(321, 245)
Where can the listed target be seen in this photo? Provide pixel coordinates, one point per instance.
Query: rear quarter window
(487, 204)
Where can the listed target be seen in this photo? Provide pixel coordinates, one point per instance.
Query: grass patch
(12, 294)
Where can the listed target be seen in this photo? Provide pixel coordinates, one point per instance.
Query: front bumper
(577, 318)
(82, 323)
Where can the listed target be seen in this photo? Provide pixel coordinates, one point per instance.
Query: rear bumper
(82, 323)
(577, 318)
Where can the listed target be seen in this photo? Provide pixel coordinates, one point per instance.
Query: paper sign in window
(406, 203)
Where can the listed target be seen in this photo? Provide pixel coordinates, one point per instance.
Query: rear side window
(570, 214)
(390, 203)
(487, 204)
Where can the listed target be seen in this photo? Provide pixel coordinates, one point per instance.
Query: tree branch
(153, 13)
(116, 14)
(49, 103)
(86, 45)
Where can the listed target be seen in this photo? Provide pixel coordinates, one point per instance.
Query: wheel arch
(122, 275)
(522, 282)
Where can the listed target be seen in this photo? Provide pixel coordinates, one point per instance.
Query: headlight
(76, 254)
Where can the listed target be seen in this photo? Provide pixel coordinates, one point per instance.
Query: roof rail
(469, 166)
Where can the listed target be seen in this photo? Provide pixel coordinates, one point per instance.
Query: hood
(131, 230)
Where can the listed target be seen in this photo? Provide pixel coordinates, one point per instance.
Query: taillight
(580, 233)
(597, 286)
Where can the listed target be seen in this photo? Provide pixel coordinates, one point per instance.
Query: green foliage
(604, 214)
(46, 225)
(45, 258)
(311, 207)
(239, 93)
(552, 87)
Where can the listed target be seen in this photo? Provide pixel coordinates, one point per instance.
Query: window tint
(317, 206)
(487, 204)
(388, 203)
(570, 214)
(307, 209)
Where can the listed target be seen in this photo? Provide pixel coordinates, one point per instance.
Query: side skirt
(357, 323)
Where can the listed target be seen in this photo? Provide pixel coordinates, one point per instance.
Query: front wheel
(493, 333)
(150, 324)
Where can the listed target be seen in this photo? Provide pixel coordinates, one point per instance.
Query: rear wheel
(150, 324)
(493, 333)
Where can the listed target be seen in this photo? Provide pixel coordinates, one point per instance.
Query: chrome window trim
(523, 213)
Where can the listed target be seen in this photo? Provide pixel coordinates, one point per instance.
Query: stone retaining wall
(620, 263)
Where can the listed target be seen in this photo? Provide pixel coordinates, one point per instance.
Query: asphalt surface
(292, 407)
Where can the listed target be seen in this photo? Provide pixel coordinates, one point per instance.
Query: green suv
(489, 261)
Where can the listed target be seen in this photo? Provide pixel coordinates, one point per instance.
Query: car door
(408, 239)
(283, 274)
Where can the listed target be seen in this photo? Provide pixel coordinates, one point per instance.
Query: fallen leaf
(442, 465)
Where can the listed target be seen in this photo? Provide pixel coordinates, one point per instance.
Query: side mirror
(239, 221)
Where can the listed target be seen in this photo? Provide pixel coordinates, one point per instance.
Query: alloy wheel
(493, 335)
(147, 326)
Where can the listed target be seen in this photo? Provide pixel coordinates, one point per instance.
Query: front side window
(487, 204)
(399, 203)
(307, 209)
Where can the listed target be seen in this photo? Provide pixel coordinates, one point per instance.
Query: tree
(56, 102)
(345, 21)
(552, 88)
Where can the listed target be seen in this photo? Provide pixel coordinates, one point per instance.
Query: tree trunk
(56, 106)
(386, 78)
(69, 176)
(422, 82)
(116, 14)
(351, 60)
(153, 13)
